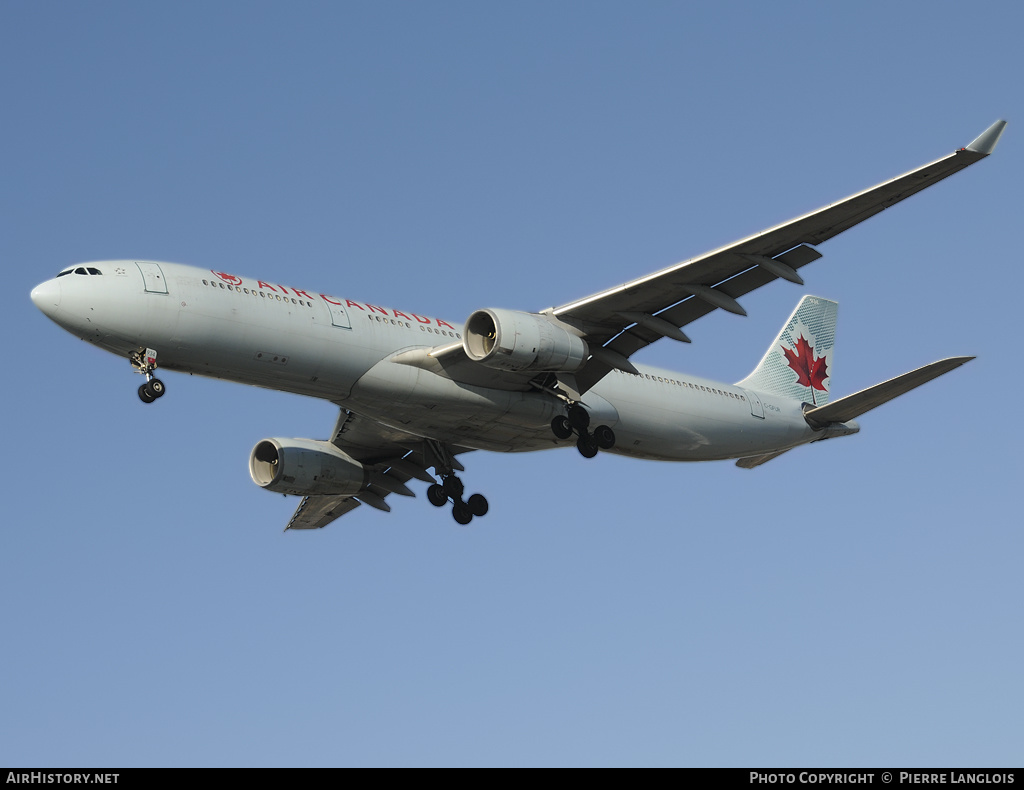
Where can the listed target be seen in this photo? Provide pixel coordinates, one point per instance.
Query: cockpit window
(80, 270)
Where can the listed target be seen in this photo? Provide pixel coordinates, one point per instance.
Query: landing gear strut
(577, 421)
(144, 362)
(451, 488)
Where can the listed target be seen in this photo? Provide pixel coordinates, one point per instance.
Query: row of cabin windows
(261, 293)
(699, 387)
(80, 270)
(407, 325)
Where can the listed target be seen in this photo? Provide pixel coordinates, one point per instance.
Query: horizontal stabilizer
(757, 460)
(852, 406)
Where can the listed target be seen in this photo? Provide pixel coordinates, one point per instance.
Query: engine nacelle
(306, 467)
(510, 340)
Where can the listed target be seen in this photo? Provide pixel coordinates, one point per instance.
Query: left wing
(619, 321)
(394, 458)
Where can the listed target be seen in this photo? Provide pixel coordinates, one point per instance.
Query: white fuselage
(323, 346)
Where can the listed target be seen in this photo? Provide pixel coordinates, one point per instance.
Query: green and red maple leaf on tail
(811, 372)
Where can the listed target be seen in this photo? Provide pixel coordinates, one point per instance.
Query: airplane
(415, 392)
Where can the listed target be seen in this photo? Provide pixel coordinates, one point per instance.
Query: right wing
(394, 457)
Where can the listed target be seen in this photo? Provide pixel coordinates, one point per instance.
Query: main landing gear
(577, 421)
(451, 488)
(144, 362)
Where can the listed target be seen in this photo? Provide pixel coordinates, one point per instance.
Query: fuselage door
(755, 404)
(339, 315)
(153, 277)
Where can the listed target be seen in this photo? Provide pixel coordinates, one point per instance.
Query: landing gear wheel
(561, 427)
(477, 505)
(144, 394)
(461, 514)
(579, 418)
(436, 496)
(605, 437)
(453, 487)
(587, 446)
(156, 388)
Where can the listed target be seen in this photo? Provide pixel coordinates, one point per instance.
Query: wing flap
(316, 512)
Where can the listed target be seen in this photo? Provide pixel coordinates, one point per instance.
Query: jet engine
(306, 467)
(510, 340)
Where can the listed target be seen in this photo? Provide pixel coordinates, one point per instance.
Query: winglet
(985, 143)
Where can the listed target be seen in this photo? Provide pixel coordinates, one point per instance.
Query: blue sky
(851, 603)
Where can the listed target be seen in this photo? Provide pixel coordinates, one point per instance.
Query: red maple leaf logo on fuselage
(811, 372)
(230, 279)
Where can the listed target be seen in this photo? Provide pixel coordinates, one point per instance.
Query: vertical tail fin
(798, 364)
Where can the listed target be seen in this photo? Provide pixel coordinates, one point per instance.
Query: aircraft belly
(665, 422)
(426, 404)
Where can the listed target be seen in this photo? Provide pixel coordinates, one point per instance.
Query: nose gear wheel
(144, 362)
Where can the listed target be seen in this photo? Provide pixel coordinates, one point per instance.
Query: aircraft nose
(46, 296)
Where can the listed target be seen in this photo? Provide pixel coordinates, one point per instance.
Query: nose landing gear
(144, 362)
(577, 420)
(151, 390)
